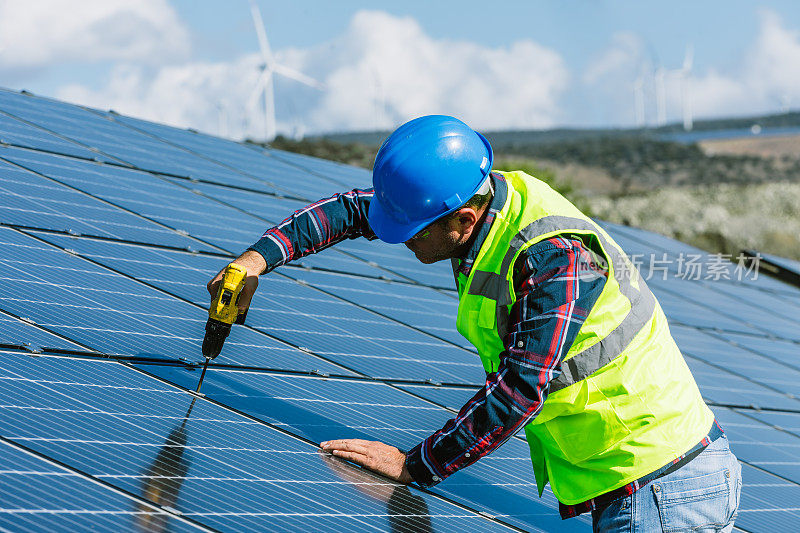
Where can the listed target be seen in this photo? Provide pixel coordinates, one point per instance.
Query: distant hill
(529, 137)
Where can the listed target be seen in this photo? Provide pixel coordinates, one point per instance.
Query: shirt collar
(498, 201)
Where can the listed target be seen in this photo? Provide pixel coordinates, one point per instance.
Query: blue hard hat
(427, 168)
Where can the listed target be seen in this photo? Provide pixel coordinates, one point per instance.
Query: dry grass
(723, 218)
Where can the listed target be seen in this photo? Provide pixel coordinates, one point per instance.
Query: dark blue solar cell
(39, 496)
(132, 147)
(725, 388)
(450, 397)
(647, 250)
(154, 198)
(769, 301)
(501, 484)
(272, 209)
(15, 132)
(789, 422)
(724, 308)
(333, 260)
(420, 307)
(33, 201)
(729, 358)
(16, 332)
(682, 310)
(214, 466)
(397, 258)
(768, 503)
(113, 314)
(346, 175)
(288, 310)
(761, 445)
(262, 166)
(786, 352)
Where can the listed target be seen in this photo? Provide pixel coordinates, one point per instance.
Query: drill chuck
(216, 333)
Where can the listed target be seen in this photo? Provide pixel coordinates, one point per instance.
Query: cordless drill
(222, 313)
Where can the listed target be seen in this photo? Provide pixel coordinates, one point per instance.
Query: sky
(512, 65)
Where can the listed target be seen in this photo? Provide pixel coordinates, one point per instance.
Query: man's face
(436, 242)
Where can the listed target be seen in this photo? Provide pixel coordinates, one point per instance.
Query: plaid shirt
(557, 283)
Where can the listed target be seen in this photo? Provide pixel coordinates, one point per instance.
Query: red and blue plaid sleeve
(557, 283)
(316, 227)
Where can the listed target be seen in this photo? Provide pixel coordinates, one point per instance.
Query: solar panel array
(110, 228)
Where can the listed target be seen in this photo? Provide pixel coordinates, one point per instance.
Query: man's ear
(467, 219)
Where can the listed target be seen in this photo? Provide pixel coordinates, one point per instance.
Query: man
(576, 349)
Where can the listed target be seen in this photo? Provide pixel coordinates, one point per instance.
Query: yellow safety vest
(625, 403)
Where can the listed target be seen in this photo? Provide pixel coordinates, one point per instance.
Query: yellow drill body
(222, 313)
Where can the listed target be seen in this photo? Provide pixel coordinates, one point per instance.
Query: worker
(576, 349)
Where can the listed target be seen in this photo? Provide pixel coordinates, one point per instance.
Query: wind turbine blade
(263, 43)
(297, 76)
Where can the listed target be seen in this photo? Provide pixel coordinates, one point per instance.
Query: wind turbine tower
(264, 85)
(686, 93)
(638, 100)
(661, 97)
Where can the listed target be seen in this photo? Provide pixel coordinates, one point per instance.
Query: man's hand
(376, 456)
(255, 265)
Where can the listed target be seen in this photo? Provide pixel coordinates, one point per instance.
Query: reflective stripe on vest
(585, 363)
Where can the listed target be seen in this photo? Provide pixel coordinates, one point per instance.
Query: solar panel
(287, 176)
(421, 307)
(760, 444)
(649, 250)
(215, 227)
(731, 359)
(200, 460)
(112, 226)
(343, 335)
(16, 332)
(38, 495)
(120, 143)
(114, 314)
(347, 175)
(17, 133)
(398, 259)
(768, 502)
(29, 200)
(320, 409)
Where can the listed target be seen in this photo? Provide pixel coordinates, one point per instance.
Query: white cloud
(623, 54)
(768, 76)
(42, 33)
(764, 79)
(381, 71)
(384, 70)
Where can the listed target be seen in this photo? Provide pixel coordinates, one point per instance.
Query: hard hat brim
(387, 229)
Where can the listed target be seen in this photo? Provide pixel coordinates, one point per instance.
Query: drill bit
(203, 374)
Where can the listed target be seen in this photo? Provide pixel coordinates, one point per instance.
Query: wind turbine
(264, 84)
(686, 97)
(638, 100)
(661, 97)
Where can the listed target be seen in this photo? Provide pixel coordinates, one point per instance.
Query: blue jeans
(701, 496)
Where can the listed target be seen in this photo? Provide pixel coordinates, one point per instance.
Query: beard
(428, 254)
